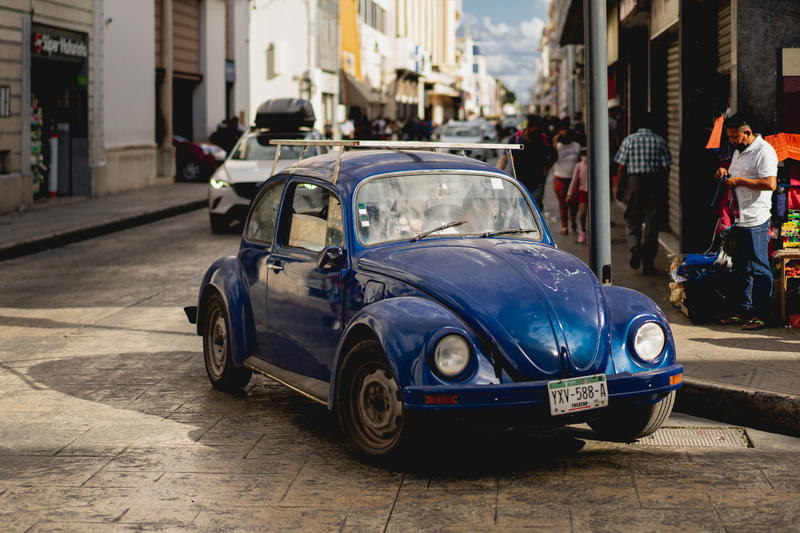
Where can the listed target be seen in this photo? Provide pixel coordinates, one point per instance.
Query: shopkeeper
(753, 176)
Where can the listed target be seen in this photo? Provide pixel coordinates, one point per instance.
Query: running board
(313, 389)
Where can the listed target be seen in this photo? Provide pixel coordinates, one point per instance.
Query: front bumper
(648, 387)
(228, 200)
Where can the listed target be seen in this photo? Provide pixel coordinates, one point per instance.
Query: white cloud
(510, 51)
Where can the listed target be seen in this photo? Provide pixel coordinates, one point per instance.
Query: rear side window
(315, 221)
(261, 226)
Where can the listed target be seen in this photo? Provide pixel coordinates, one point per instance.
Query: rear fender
(408, 328)
(628, 308)
(226, 278)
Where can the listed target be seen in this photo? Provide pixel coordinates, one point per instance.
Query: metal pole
(594, 23)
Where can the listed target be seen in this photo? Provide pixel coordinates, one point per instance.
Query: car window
(257, 148)
(261, 225)
(315, 220)
(399, 207)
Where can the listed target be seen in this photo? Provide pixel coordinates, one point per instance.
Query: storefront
(59, 108)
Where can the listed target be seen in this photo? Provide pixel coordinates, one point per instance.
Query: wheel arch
(225, 280)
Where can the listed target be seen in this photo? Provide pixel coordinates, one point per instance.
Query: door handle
(274, 266)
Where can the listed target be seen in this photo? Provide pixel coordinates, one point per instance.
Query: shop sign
(663, 15)
(58, 44)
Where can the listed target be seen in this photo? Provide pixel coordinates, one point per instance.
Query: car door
(305, 302)
(257, 242)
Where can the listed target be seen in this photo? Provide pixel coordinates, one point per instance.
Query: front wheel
(369, 402)
(629, 423)
(222, 373)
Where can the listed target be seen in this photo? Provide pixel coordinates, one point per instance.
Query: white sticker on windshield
(365, 223)
(497, 183)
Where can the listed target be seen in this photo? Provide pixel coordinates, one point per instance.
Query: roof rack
(387, 145)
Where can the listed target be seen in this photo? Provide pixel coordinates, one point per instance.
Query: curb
(768, 411)
(54, 240)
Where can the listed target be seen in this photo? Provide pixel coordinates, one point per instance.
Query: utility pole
(594, 24)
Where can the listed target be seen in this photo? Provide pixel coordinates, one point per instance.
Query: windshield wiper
(507, 231)
(438, 228)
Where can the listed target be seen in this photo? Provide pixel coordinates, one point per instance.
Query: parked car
(236, 182)
(418, 283)
(464, 132)
(196, 161)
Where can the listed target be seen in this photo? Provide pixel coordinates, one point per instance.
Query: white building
(294, 53)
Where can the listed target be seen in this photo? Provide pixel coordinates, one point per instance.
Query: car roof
(357, 165)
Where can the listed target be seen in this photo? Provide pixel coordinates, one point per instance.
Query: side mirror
(329, 258)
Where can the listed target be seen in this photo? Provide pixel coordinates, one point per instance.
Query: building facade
(97, 88)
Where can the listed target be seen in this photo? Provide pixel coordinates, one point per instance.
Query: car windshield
(461, 131)
(401, 207)
(255, 148)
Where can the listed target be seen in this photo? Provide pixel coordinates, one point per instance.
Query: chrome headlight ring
(452, 356)
(648, 341)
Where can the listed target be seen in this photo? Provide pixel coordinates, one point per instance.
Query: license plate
(577, 394)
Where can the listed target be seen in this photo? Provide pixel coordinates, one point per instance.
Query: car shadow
(173, 385)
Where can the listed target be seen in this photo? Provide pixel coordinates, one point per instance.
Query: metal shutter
(674, 135)
(724, 37)
(185, 37)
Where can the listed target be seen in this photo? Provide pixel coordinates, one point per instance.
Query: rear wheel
(369, 402)
(629, 423)
(222, 373)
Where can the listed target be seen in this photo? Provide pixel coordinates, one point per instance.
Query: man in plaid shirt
(643, 157)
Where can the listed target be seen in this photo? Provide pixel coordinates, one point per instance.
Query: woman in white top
(568, 156)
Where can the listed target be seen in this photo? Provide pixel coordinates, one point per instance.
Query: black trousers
(644, 196)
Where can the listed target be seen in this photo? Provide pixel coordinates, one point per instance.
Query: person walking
(534, 161)
(579, 192)
(568, 151)
(753, 176)
(644, 159)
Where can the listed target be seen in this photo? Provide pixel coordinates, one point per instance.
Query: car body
(236, 182)
(196, 161)
(338, 292)
(467, 133)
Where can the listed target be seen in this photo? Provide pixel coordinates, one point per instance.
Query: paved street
(108, 423)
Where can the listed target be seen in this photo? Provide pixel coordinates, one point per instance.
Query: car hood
(239, 171)
(539, 307)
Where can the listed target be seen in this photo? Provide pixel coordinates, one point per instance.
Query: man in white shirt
(753, 176)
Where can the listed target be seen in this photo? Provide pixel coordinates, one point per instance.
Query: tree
(509, 96)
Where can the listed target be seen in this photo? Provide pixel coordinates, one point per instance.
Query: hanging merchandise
(38, 166)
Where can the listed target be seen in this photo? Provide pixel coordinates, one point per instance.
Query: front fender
(226, 277)
(626, 309)
(408, 328)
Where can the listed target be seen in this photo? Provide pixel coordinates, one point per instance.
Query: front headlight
(217, 183)
(451, 355)
(649, 341)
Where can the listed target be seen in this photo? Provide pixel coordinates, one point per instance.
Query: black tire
(369, 404)
(628, 423)
(219, 223)
(222, 373)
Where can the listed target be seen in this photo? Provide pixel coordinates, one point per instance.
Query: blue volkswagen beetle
(390, 284)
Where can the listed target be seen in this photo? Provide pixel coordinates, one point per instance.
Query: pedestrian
(535, 159)
(579, 192)
(644, 161)
(568, 152)
(753, 177)
(347, 129)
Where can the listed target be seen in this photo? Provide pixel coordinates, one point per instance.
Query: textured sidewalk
(70, 220)
(734, 375)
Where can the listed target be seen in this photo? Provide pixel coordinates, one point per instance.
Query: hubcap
(378, 407)
(217, 344)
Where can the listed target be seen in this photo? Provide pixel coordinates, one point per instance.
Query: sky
(508, 34)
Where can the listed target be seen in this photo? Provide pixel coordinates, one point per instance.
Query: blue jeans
(751, 266)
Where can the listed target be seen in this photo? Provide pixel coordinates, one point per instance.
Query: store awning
(439, 89)
(571, 30)
(359, 94)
